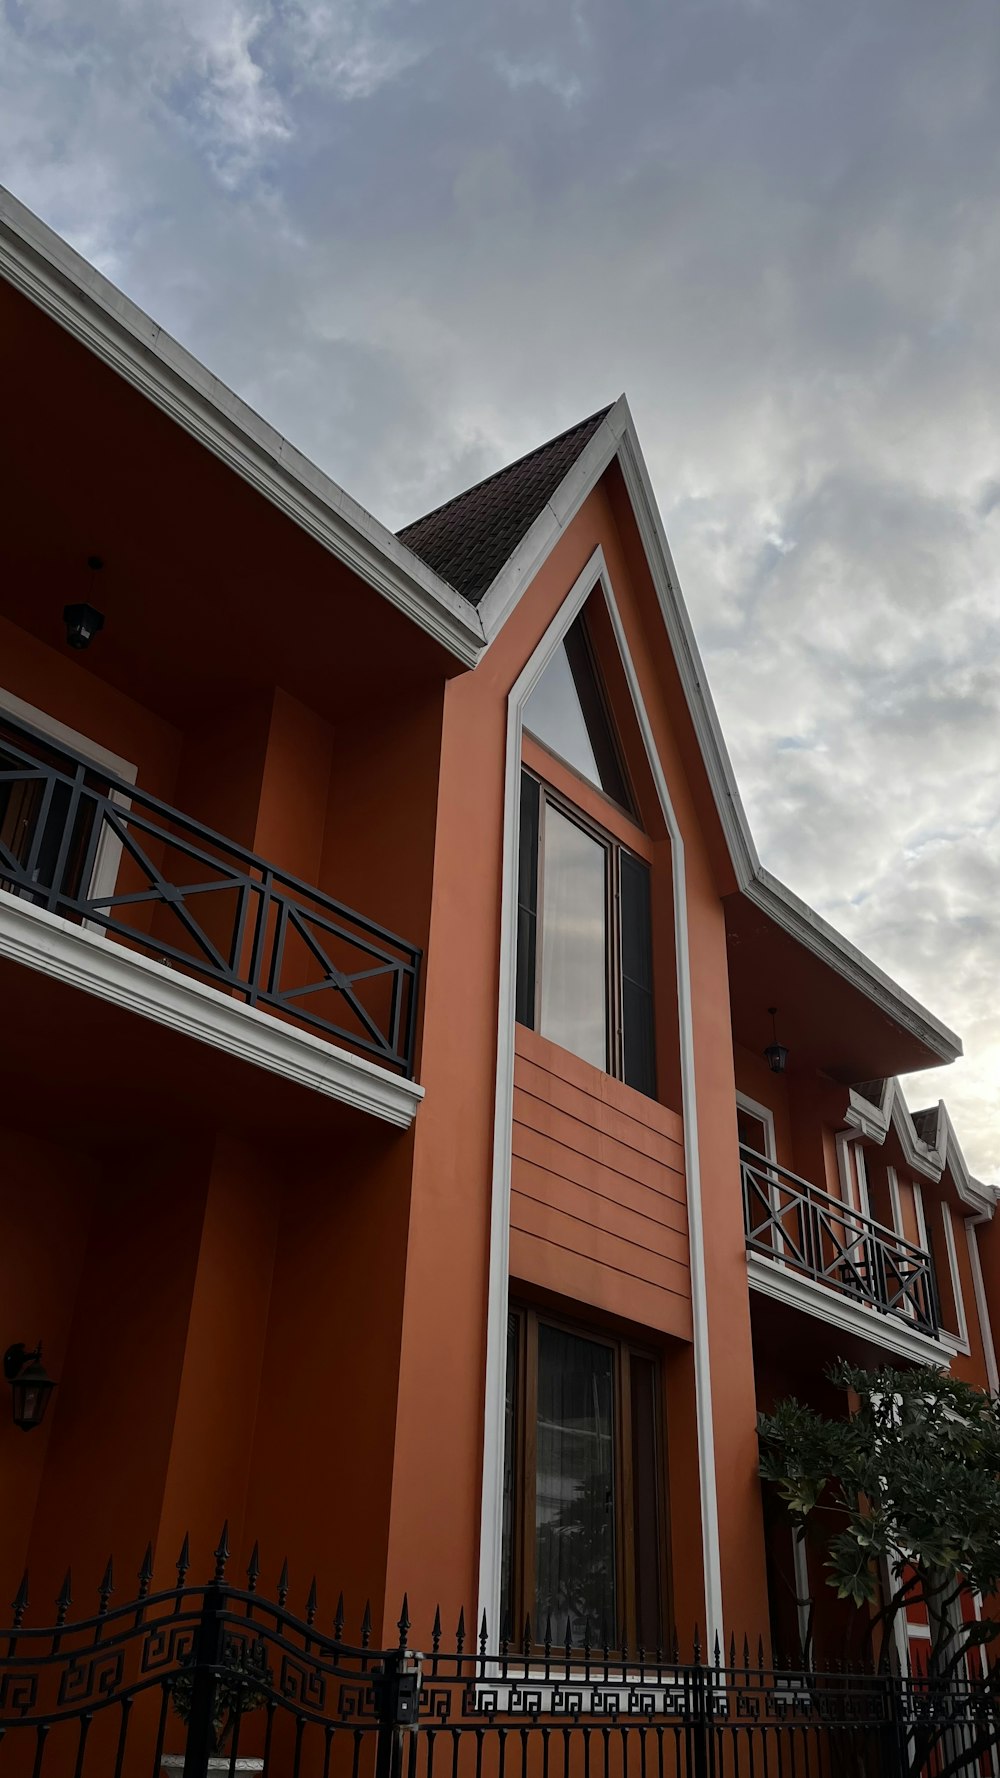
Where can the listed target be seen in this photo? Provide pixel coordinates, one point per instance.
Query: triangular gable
(612, 438)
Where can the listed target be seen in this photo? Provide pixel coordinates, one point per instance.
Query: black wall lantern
(30, 1385)
(83, 621)
(775, 1055)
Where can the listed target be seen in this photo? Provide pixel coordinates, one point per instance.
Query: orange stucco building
(392, 1164)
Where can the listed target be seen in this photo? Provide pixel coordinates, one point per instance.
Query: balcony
(206, 936)
(809, 1248)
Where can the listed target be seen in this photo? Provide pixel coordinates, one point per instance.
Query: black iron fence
(85, 844)
(818, 1236)
(216, 1677)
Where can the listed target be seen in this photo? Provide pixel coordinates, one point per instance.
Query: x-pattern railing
(797, 1224)
(194, 899)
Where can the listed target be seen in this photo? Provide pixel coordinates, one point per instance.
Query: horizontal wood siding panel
(535, 1149)
(581, 1280)
(598, 1197)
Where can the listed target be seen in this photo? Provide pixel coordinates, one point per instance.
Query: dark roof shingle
(468, 540)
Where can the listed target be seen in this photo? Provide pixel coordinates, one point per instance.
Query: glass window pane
(575, 1488)
(752, 1130)
(574, 1010)
(566, 711)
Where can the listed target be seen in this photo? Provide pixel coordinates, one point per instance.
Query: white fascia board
(973, 1192)
(87, 305)
(97, 965)
(773, 1279)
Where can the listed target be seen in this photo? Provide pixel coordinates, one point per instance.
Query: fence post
(895, 1762)
(207, 1657)
(700, 1755)
(396, 1692)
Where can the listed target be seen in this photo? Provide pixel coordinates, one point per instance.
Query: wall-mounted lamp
(30, 1385)
(83, 621)
(775, 1055)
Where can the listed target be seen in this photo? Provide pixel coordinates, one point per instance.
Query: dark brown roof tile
(468, 540)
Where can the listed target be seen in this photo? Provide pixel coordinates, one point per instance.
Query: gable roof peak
(470, 538)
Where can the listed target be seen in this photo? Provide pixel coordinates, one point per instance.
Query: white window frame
(959, 1342)
(982, 1306)
(766, 1116)
(109, 847)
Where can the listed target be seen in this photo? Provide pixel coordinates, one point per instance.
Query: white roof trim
(931, 1159)
(59, 281)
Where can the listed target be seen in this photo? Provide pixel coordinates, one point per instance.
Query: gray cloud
(421, 236)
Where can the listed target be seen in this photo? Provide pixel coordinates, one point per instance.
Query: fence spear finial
(338, 1618)
(436, 1630)
(312, 1602)
(221, 1553)
(366, 1624)
(403, 1622)
(184, 1561)
(146, 1571)
(65, 1599)
(106, 1587)
(283, 1584)
(19, 1603)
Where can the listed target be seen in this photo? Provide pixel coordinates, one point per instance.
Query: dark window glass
(645, 1504)
(567, 712)
(527, 901)
(574, 1485)
(584, 1528)
(638, 1051)
(752, 1130)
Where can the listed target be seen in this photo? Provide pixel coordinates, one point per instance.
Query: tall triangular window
(567, 713)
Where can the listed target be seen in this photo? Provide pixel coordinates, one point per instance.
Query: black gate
(216, 1678)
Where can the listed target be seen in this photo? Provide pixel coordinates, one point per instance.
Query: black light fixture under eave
(775, 1055)
(30, 1385)
(83, 621)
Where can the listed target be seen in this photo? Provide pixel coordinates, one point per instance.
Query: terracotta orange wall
(598, 1211)
(208, 1470)
(46, 1200)
(102, 1490)
(434, 1531)
(321, 1464)
(62, 685)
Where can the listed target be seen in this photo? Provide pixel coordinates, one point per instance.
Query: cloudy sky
(422, 235)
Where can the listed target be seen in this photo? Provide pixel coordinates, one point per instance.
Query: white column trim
(982, 1306)
(593, 574)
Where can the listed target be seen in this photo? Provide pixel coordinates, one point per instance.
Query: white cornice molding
(60, 282)
(97, 965)
(866, 1118)
(773, 1279)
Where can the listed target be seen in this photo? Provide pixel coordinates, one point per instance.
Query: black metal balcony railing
(818, 1236)
(81, 843)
